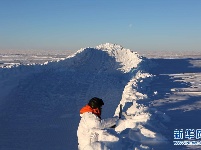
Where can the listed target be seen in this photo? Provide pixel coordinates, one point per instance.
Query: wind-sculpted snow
(40, 105)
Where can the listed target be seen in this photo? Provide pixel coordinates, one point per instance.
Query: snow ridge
(50, 97)
(139, 118)
(125, 59)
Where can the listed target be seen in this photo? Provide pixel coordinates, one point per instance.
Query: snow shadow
(171, 78)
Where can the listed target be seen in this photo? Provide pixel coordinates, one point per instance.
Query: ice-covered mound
(109, 56)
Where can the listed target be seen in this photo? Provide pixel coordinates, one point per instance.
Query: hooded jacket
(91, 126)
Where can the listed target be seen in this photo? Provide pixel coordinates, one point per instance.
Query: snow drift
(40, 104)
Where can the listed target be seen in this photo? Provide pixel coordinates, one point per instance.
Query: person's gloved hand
(115, 121)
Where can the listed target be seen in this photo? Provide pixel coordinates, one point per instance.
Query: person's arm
(93, 121)
(108, 123)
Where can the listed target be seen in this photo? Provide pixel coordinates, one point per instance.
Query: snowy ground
(178, 86)
(39, 105)
(9, 59)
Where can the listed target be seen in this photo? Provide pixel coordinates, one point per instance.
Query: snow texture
(40, 104)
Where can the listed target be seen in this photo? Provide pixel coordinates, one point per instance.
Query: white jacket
(90, 127)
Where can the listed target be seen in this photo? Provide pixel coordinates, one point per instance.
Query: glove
(115, 121)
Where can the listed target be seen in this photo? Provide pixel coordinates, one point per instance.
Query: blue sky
(169, 25)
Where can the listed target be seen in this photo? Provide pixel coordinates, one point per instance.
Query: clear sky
(73, 24)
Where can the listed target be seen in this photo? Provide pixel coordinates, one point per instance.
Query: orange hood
(87, 108)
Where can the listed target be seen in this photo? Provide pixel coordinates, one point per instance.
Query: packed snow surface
(40, 104)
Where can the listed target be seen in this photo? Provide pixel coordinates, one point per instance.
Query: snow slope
(40, 104)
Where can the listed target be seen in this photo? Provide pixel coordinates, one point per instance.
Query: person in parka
(91, 124)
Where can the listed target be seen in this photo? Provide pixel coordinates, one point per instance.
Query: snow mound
(118, 58)
(50, 97)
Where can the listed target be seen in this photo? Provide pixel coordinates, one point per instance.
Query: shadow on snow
(163, 82)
